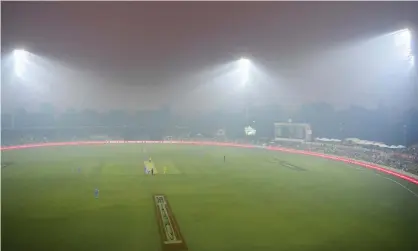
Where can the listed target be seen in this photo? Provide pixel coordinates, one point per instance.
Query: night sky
(140, 55)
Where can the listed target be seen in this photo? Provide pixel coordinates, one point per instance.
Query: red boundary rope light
(208, 143)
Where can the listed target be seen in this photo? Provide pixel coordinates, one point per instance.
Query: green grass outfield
(256, 200)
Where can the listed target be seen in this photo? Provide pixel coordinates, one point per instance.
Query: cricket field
(257, 200)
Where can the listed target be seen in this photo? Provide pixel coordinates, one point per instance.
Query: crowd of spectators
(405, 160)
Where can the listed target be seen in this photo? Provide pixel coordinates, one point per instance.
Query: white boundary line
(415, 194)
(378, 174)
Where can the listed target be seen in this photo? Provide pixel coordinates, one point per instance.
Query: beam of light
(244, 70)
(244, 62)
(403, 41)
(20, 58)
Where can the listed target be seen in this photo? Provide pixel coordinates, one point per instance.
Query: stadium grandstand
(399, 149)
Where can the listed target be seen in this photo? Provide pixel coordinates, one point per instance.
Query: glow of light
(20, 58)
(403, 41)
(244, 62)
(244, 70)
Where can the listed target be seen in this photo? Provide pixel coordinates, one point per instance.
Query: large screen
(292, 131)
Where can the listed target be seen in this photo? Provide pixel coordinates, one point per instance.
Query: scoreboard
(292, 132)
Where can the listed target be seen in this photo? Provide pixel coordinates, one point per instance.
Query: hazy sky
(143, 54)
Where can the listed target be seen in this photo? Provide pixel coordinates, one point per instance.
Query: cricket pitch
(171, 237)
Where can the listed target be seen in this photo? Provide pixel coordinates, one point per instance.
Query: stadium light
(403, 37)
(403, 41)
(244, 62)
(244, 70)
(20, 58)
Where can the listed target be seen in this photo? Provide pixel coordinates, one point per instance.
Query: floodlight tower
(244, 70)
(408, 45)
(414, 49)
(405, 46)
(20, 58)
(244, 65)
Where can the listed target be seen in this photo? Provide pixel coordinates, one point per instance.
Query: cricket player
(224, 158)
(165, 170)
(96, 193)
(152, 171)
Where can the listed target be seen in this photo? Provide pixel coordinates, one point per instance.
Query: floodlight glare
(244, 62)
(403, 41)
(20, 54)
(20, 58)
(403, 37)
(244, 69)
